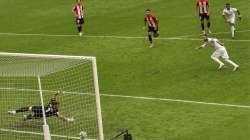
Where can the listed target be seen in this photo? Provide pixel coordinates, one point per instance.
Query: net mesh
(19, 88)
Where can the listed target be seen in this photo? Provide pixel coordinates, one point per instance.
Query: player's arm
(224, 16)
(239, 15)
(73, 11)
(208, 8)
(64, 118)
(202, 46)
(145, 23)
(197, 7)
(157, 22)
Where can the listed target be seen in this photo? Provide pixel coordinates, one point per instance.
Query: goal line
(41, 134)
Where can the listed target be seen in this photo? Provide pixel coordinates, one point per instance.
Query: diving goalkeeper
(52, 109)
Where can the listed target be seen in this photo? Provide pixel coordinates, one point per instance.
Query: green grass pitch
(127, 67)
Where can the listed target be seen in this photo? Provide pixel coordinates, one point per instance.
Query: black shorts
(204, 16)
(79, 20)
(37, 111)
(152, 29)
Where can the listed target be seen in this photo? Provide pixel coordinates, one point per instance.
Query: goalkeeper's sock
(27, 117)
(22, 109)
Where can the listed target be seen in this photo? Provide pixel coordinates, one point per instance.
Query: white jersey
(229, 14)
(214, 43)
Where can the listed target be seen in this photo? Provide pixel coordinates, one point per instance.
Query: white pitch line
(198, 39)
(121, 37)
(190, 35)
(41, 134)
(142, 98)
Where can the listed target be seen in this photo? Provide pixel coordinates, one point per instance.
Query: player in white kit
(220, 51)
(229, 15)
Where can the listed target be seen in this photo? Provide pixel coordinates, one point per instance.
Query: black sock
(28, 117)
(22, 109)
(208, 24)
(150, 39)
(79, 29)
(202, 26)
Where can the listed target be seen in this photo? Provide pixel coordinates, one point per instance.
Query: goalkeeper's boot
(13, 112)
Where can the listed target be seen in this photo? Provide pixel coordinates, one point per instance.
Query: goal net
(49, 97)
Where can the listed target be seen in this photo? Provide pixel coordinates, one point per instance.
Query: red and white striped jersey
(78, 9)
(151, 20)
(203, 6)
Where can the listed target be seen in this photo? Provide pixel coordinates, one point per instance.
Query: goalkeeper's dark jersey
(50, 110)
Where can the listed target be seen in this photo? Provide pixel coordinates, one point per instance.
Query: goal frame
(95, 79)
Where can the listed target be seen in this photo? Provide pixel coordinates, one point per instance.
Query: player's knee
(226, 59)
(213, 57)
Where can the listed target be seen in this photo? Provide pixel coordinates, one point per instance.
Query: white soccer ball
(83, 135)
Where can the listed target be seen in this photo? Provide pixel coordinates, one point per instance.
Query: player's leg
(150, 37)
(79, 25)
(208, 23)
(37, 112)
(226, 58)
(22, 109)
(232, 26)
(202, 23)
(156, 33)
(215, 56)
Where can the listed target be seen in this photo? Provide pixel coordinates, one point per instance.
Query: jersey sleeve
(234, 9)
(210, 40)
(224, 12)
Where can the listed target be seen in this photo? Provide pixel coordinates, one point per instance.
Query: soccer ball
(83, 135)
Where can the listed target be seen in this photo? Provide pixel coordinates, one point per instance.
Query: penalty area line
(139, 98)
(184, 38)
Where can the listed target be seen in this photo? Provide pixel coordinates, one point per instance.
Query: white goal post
(30, 83)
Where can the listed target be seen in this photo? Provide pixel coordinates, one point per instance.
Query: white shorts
(220, 53)
(231, 20)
